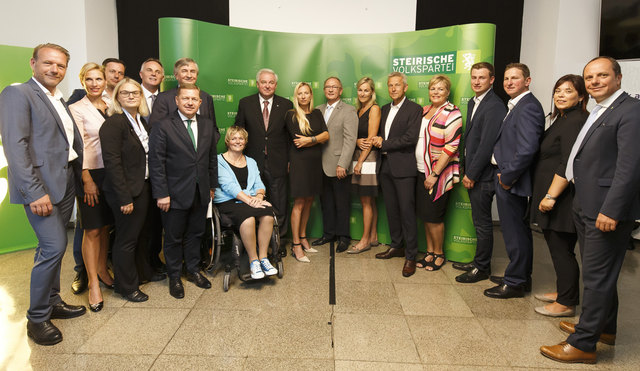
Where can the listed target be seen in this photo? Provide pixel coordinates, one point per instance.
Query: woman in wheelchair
(240, 196)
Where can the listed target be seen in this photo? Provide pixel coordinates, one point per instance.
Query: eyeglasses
(125, 93)
(329, 87)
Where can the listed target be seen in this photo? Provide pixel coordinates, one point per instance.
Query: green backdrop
(15, 231)
(229, 58)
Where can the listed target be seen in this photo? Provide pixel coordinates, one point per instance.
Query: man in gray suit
(43, 148)
(337, 153)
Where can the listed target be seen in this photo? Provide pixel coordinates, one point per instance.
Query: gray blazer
(35, 144)
(343, 132)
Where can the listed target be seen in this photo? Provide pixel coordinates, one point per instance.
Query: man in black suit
(186, 72)
(485, 113)
(184, 173)
(517, 144)
(603, 164)
(262, 116)
(397, 170)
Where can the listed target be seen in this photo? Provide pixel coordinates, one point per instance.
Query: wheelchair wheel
(280, 269)
(225, 281)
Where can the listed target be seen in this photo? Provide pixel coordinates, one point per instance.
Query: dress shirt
(106, 97)
(510, 105)
(477, 101)
(148, 96)
(393, 111)
(142, 134)
(270, 100)
(329, 109)
(67, 121)
(194, 125)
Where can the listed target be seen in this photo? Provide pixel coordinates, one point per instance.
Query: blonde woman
(307, 129)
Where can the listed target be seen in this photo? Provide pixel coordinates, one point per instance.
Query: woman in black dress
(307, 129)
(364, 177)
(551, 203)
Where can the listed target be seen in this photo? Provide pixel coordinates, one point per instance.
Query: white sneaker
(267, 268)
(256, 271)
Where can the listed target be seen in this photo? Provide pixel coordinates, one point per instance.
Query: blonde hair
(372, 85)
(441, 79)
(233, 130)
(90, 67)
(143, 110)
(300, 115)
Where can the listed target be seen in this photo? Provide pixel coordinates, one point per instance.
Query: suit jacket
(343, 132)
(35, 145)
(480, 136)
(401, 144)
(125, 160)
(518, 143)
(606, 166)
(89, 120)
(175, 167)
(275, 139)
(165, 105)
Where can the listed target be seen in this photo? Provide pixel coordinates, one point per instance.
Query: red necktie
(265, 115)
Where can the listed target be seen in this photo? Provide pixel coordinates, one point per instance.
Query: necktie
(327, 113)
(576, 145)
(193, 138)
(153, 101)
(265, 114)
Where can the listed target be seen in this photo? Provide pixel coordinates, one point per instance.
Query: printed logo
(465, 240)
(466, 59)
(229, 98)
(428, 64)
(238, 82)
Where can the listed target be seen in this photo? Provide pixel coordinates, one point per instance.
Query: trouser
(481, 198)
(562, 246)
(277, 196)
(336, 207)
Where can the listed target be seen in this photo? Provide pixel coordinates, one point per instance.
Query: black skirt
(100, 214)
(238, 212)
(428, 210)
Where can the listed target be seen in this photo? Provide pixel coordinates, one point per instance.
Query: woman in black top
(551, 202)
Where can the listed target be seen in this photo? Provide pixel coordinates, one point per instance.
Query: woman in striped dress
(438, 166)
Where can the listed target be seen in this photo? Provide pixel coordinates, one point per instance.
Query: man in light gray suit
(43, 148)
(337, 153)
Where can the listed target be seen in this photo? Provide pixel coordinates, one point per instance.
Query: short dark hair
(487, 65)
(521, 66)
(151, 60)
(113, 60)
(614, 63)
(578, 84)
(57, 47)
(187, 87)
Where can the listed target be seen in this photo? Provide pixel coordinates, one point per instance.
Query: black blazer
(606, 166)
(165, 105)
(175, 167)
(480, 135)
(275, 139)
(125, 160)
(555, 149)
(400, 146)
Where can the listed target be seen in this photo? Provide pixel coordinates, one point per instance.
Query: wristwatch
(548, 196)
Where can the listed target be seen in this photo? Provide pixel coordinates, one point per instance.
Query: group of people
(144, 163)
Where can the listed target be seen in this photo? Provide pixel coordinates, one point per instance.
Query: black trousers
(562, 246)
(481, 198)
(602, 256)
(400, 202)
(183, 231)
(336, 207)
(277, 196)
(155, 234)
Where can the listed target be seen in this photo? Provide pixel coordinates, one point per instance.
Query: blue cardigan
(229, 187)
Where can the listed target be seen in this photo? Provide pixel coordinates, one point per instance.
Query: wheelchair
(222, 247)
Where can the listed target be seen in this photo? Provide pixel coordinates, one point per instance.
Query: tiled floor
(381, 321)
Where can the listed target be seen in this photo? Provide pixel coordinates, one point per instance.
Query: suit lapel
(600, 121)
(47, 102)
(181, 129)
(470, 106)
(383, 119)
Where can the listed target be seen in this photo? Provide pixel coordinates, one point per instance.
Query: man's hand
(606, 224)
(341, 172)
(212, 193)
(468, 183)
(546, 204)
(164, 203)
(376, 142)
(127, 209)
(42, 206)
(506, 187)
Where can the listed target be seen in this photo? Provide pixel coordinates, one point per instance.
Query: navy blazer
(480, 136)
(607, 165)
(518, 143)
(165, 105)
(400, 146)
(175, 167)
(36, 145)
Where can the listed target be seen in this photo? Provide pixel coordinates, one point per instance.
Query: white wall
(87, 28)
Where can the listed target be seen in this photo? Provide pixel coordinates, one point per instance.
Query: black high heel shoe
(96, 307)
(110, 287)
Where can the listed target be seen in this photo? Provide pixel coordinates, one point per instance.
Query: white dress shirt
(194, 126)
(393, 111)
(148, 97)
(262, 100)
(142, 134)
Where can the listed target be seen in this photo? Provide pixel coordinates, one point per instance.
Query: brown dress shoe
(391, 252)
(565, 352)
(570, 328)
(409, 268)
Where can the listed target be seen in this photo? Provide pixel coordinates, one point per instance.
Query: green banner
(15, 231)
(229, 58)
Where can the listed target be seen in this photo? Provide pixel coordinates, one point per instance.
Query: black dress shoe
(504, 291)
(391, 252)
(80, 282)
(200, 280)
(498, 280)
(43, 333)
(323, 241)
(472, 276)
(175, 288)
(157, 277)
(63, 310)
(463, 266)
(136, 296)
(342, 246)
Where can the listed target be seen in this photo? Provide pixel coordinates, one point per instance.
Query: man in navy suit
(262, 115)
(603, 164)
(397, 170)
(43, 148)
(484, 116)
(184, 173)
(517, 144)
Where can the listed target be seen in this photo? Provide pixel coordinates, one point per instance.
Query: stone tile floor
(381, 321)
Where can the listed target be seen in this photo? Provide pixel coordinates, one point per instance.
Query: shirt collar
(147, 93)
(184, 118)
(607, 102)
(57, 94)
(262, 100)
(397, 106)
(515, 100)
(481, 97)
(334, 104)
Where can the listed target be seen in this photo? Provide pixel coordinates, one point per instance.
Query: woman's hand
(430, 181)
(127, 209)
(258, 203)
(358, 168)
(546, 205)
(301, 141)
(363, 143)
(91, 193)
